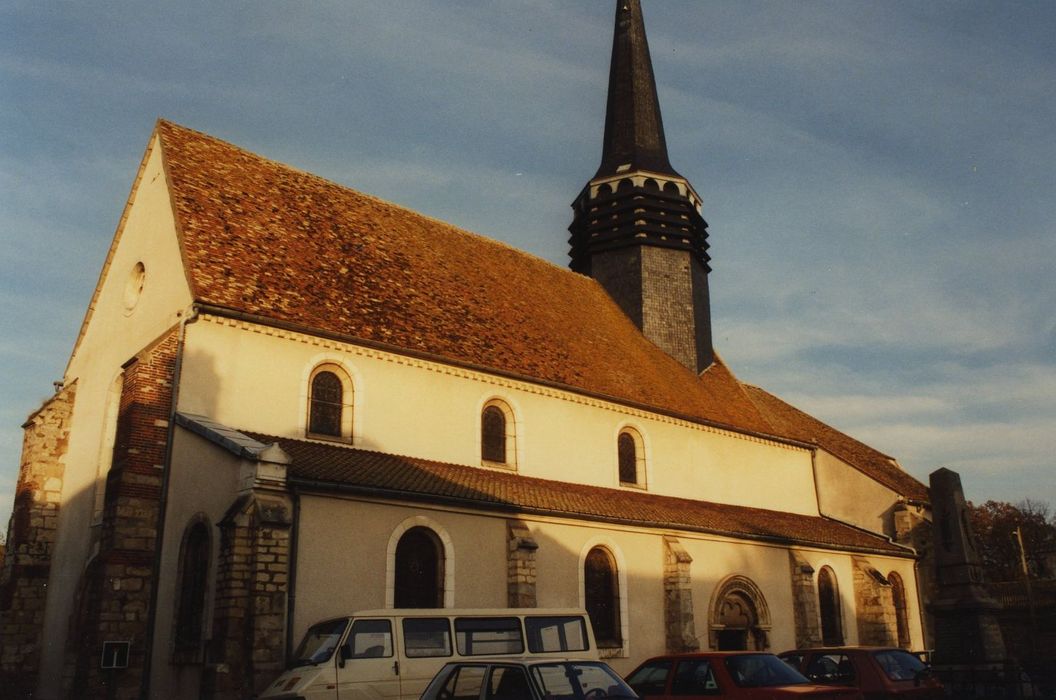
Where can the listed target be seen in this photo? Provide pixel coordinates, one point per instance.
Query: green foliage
(995, 524)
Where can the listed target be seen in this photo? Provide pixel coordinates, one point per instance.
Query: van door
(426, 647)
(367, 668)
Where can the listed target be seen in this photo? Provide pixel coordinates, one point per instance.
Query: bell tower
(637, 227)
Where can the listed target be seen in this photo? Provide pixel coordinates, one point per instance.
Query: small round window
(134, 286)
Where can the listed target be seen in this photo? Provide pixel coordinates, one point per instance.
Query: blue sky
(878, 177)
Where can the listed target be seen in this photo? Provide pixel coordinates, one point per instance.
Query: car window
(508, 683)
(478, 636)
(793, 660)
(831, 668)
(430, 636)
(650, 678)
(899, 665)
(694, 677)
(464, 683)
(579, 681)
(369, 639)
(762, 671)
(564, 633)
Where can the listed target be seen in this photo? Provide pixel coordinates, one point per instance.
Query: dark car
(880, 672)
(727, 674)
(520, 679)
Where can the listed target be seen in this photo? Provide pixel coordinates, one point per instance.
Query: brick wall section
(117, 587)
(248, 649)
(914, 530)
(30, 538)
(875, 606)
(804, 602)
(520, 572)
(679, 622)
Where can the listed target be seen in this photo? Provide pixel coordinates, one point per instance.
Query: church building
(290, 401)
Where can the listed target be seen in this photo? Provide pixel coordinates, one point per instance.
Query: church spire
(634, 130)
(637, 227)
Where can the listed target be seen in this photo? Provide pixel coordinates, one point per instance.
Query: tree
(995, 524)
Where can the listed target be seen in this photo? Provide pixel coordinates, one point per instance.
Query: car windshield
(762, 671)
(899, 665)
(319, 643)
(579, 681)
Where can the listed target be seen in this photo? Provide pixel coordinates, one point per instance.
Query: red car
(727, 674)
(881, 673)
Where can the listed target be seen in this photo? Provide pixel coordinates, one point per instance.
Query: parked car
(879, 672)
(527, 679)
(727, 674)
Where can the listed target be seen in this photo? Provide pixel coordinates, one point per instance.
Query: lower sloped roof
(325, 467)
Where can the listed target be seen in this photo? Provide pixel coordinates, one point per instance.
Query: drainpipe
(188, 316)
(291, 595)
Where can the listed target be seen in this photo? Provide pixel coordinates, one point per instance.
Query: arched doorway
(740, 618)
(419, 570)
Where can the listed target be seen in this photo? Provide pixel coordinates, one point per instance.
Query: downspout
(291, 595)
(188, 317)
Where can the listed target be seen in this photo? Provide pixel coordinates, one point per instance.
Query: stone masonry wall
(116, 590)
(680, 624)
(248, 648)
(875, 605)
(804, 602)
(520, 575)
(30, 538)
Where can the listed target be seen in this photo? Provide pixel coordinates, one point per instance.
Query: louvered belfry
(637, 227)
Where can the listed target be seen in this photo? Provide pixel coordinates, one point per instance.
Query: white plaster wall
(112, 335)
(250, 377)
(203, 481)
(846, 494)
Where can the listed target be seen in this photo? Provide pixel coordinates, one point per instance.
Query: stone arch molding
(352, 383)
(738, 585)
(449, 558)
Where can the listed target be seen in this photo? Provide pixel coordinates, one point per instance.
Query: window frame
(346, 404)
(509, 436)
(638, 442)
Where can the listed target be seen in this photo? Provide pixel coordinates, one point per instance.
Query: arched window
(419, 568)
(898, 594)
(330, 403)
(829, 602)
(602, 596)
(190, 602)
(631, 457)
(497, 437)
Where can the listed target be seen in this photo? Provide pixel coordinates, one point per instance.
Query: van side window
(426, 636)
(464, 684)
(565, 633)
(477, 636)
(369, 639)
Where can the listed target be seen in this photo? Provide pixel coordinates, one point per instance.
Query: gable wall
(256, 378)
(111, 336)
(846, 494)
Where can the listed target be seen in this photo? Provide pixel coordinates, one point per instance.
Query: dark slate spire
(637, 227)
(634, 130)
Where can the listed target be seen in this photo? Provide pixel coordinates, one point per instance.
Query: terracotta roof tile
(267, 239)
(337, 467)
(791, 422)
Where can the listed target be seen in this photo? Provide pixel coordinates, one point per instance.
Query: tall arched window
(829, 602)
(497, 437)
(193, 584)
(602, 596)
(419, 567)
(329, 403)
(630, 452)
(898, 594)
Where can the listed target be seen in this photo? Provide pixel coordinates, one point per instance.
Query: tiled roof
(789, 421)
(336, 467)
(262, 238)
(266, 239)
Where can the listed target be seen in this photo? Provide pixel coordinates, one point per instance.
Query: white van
(393, 654)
